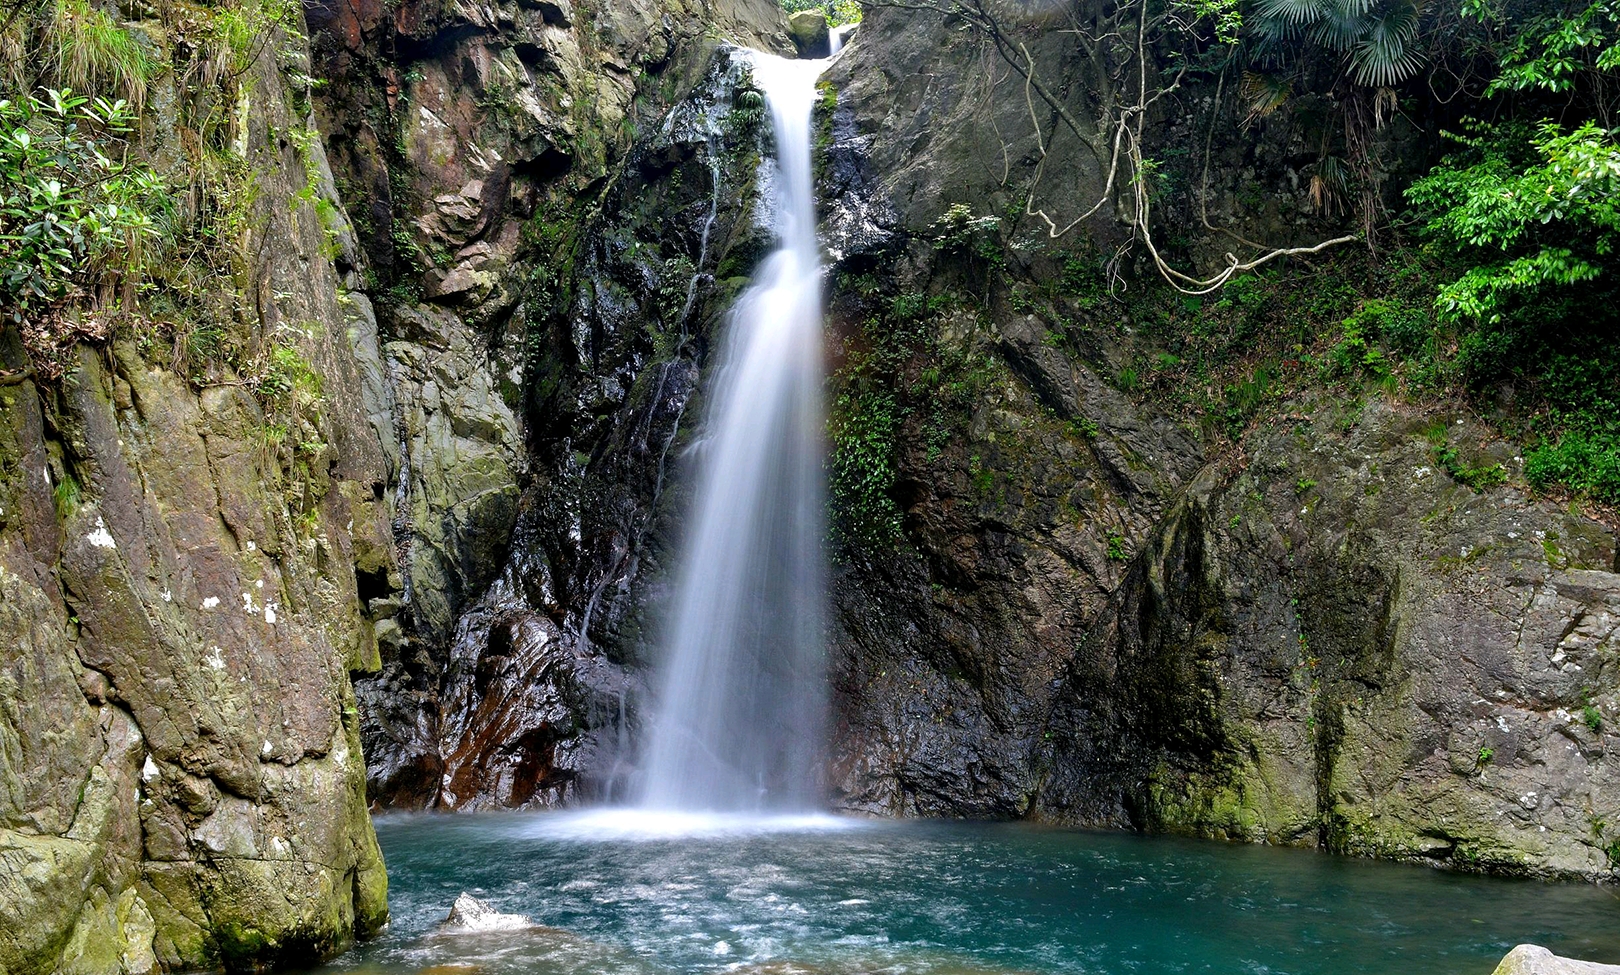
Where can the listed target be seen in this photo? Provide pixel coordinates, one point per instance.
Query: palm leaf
(1387, 55)
(1263, 94)
(1341, 27)
(1296, 13)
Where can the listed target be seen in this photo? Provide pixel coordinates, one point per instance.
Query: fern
(1296, 13)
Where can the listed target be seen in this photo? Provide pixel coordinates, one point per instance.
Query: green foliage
(1485, 756)
(1116, 547)
(900, 387)
(87, 50)
(747, 113)
(66, 495)
(1592, 718)
(1357, 351)
(75, 216)
(1225, 16)
(838, 12)
(1555, 47)
(862, 427)
(288, 379)
(1529, 218)
(1535, 221)
(1581, 460)
(958, 230)
(1378, 38)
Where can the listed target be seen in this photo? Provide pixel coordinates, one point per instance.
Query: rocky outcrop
(808, 28)
(469, 913)
(182, 561)
(1090, 610)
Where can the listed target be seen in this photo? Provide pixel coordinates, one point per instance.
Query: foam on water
(610, 825)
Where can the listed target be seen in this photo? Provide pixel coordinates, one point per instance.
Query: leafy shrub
(838, 12)
(1539, 210)
(1531, 217)
(1582, 460)
(75, 217)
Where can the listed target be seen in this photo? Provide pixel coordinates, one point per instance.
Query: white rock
(471, 914)
(1536, 960)
(101, 537)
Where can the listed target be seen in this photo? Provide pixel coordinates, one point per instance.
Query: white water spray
(739, 721)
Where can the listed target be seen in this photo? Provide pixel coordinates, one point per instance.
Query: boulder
(1536, 960)
(808, 28)
(469, 913)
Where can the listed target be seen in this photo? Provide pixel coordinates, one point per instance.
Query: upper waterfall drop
(739, 722)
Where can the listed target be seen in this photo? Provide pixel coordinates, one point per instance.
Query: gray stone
(808, 28)
(1536, 960)
(177, 632)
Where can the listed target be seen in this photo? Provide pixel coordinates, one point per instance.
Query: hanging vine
(1120, 137)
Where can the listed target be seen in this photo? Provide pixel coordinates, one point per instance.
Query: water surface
(628, 893)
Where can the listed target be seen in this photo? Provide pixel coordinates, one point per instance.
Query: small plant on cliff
(76, 226)
(66, 494)
(747, 113)
(1450, 460)
(85, 49)
(863, 425)
(959, 231)
(1592, 717)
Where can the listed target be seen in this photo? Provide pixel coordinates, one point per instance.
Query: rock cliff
(549, 194)
(1093, 608)
(1085, 605)
(181, 564)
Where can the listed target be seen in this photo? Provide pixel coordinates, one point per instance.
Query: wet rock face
(1384, 662)
(1090, 617)
(181, 783)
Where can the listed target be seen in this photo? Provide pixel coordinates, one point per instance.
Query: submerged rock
(1536, 960)
(469, 913)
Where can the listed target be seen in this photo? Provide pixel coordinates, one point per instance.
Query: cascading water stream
(738, 726)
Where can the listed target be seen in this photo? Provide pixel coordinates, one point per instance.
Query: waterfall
(836, 36)
(738, 725)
